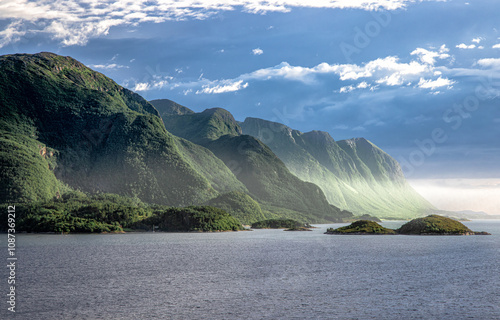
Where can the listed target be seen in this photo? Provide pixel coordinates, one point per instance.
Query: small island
(287, 224)
(430, 225)
(361, 227)
(436, 225)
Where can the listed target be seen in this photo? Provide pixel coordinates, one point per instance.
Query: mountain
(63, 125)
(354, 174)
(267, 179)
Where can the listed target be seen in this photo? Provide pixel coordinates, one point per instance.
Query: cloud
(141, 86)
(229, 87)
(257, 51)
(429, 57)
(496, 46)
(74, 22)
(382, 68)
(464, 46)
(489, 62)
(388, 71)
(434, 84)
(12, 33)
(108, 66)
(478, 39)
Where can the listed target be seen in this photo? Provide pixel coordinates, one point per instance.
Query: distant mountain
(354, 174)
(63, 126)
(253, 163)
(169, 108)
(470, 212)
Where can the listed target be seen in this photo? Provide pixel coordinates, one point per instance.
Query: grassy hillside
(361, 227)
(212, 168)
(239, 205)
(434, 224)
(74, 124)
(202, 127)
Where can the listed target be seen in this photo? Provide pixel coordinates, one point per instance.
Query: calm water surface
(262, 274)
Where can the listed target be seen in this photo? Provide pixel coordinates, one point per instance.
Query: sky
(419, 78)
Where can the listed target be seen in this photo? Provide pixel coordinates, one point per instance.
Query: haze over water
(262, 274)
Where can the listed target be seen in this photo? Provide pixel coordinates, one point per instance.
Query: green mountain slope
(98, 136)
(200, 158)
(240, 205)
(212, 168)
(202, 127)
(267, 179)
(355, 174)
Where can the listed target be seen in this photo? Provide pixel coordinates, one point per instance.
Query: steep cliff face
(354, 174)
(108, 139)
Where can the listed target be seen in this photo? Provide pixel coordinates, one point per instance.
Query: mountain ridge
(252, 162)
(355, 174)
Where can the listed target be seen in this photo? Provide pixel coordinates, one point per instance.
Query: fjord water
(262, 274)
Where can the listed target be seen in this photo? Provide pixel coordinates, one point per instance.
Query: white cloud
(464, 46)
(433, 84)
(496, 46)
(141, 86)
(429, 57)
(388, 71)
(74, 22)
(489, 62)
(107, 66)
(12, 33)
(392, 80)
(361, 85)
(346, 89)
(378, 69)
(257, 51)
(478, 39)
(223, 88)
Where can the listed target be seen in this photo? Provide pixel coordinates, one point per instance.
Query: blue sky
(421, 79)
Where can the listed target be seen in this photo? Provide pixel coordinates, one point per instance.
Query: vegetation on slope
(202, 127)
(212, 168)
(193, 218)
(27, 169)
(434, 224)
(169, 108)
(91, 133)
(78, 212)
(270, 182)
(239, 205)
(361, 227)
